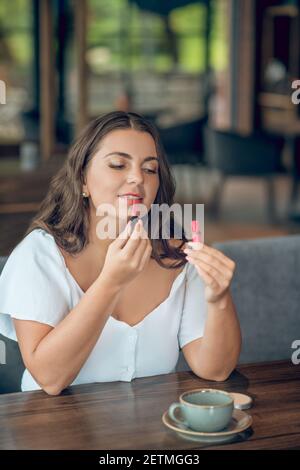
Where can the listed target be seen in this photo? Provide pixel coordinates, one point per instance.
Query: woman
(88, 309)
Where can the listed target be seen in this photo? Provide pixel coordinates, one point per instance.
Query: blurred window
(16, 55)
(151, 61)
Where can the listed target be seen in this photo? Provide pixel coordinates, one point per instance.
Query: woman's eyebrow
(126, 155)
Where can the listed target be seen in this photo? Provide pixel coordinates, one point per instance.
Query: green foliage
(122, 37)
(16, 32)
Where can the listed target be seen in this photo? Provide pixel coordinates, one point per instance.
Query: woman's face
(126, 162)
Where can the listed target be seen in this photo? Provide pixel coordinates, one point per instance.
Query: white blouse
(36, 284)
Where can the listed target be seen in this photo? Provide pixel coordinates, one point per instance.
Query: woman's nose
(135, 176)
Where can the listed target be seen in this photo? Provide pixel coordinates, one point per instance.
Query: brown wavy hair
(64, 213)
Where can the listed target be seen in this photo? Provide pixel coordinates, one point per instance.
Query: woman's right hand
(127, 256)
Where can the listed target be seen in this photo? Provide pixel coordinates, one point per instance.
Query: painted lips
(132, 199)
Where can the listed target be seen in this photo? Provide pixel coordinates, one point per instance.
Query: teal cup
(203, 410)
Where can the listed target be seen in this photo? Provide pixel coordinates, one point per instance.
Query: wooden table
(121, 415)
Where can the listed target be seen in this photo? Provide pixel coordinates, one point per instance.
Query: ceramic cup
(203, 410)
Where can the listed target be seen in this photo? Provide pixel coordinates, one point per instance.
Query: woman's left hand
(214, 268)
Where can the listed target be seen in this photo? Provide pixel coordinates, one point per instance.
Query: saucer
(240, 421)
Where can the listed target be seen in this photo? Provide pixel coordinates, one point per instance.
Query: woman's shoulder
(37, 246)
(35, 266)
(33, 284)
(34, 240)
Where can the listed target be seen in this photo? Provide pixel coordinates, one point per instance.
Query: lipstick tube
(134, 214)
(196, 243)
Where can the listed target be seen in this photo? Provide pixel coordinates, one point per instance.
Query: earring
(84, 194)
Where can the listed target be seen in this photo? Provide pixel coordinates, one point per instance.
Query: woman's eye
(119, 167)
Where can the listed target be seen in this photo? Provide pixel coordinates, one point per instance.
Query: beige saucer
(240, 422)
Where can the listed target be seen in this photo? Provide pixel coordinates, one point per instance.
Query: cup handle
(171, 412)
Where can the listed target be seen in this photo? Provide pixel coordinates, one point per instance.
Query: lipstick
(196, 243)
(134, 213)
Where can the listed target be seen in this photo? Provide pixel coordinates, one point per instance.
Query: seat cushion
(266, 292)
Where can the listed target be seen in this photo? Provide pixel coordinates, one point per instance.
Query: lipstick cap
(196, 234)
(241, 401)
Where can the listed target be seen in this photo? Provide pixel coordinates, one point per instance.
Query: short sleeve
(33, 284)
(194, 308)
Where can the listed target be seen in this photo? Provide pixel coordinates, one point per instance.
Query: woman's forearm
(221, 343)
(59, 357)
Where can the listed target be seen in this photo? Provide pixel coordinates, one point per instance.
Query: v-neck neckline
(175, 284)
